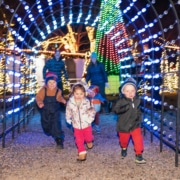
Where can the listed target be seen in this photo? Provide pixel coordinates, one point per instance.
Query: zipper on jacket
(79, 117)
(132, 103)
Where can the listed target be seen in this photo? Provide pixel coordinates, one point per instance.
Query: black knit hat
(128, 81)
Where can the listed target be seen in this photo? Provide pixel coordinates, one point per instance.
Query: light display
(39, 22)
(160, 70)
(28, 80)
(111, 38)
(5, 86)
(66, 83)
(127, 36)
(25, 71)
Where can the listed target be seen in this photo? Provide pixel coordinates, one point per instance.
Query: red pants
(136, 137)
(82, 136)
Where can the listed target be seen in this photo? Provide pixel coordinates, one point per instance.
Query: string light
(112, 41)
(108, 35)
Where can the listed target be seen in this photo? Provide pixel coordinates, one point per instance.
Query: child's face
(51, 84)
(79, 95)
(129, 91)
(91, 93)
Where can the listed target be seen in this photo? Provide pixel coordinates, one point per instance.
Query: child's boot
(89, 145)
(124, 152)
(139, 159)
(96, 121)
(82, 156)
(97, 128)
(59, 143)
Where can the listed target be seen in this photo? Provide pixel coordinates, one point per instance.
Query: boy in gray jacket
(129, 119)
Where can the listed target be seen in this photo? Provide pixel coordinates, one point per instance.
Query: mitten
(107, 85)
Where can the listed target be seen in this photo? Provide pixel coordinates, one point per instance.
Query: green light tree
(112, 41)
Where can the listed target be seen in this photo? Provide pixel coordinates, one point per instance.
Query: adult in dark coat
(97, 75)
(56, 65)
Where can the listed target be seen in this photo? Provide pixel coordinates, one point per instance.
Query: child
(80, 113)
(129, 119)
(48, 100)
(96, 100)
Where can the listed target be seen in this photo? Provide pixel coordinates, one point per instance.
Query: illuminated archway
(152, 37)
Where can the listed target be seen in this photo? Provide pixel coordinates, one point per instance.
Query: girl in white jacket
(80, 113)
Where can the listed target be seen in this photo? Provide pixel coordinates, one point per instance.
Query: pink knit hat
(51, 76)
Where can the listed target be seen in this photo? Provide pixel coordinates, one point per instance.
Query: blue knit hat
(93, 55)
(128, 81)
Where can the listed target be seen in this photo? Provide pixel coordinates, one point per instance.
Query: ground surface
(34, 156)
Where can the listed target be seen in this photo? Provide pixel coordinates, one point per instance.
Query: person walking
(80, 113)
(129, 119)
(97, 75)
(48, 100)
(56, 65)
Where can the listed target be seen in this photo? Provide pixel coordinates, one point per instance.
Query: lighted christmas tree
(169, 71)
(25, 71)
(164, 71)
(112, 41)
(66, 83)
(28, 78)
(4, 78)
(33, 85)
(176, 78)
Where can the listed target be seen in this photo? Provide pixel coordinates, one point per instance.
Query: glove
(107, 85)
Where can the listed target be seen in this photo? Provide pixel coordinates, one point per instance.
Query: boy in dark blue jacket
(129, 119)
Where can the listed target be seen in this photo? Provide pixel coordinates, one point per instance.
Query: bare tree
(77, 39)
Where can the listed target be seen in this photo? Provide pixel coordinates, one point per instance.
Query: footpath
(34, 156)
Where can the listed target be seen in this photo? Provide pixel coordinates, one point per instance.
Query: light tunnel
(137, 38)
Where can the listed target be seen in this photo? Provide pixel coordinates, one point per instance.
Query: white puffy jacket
(82, 116)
